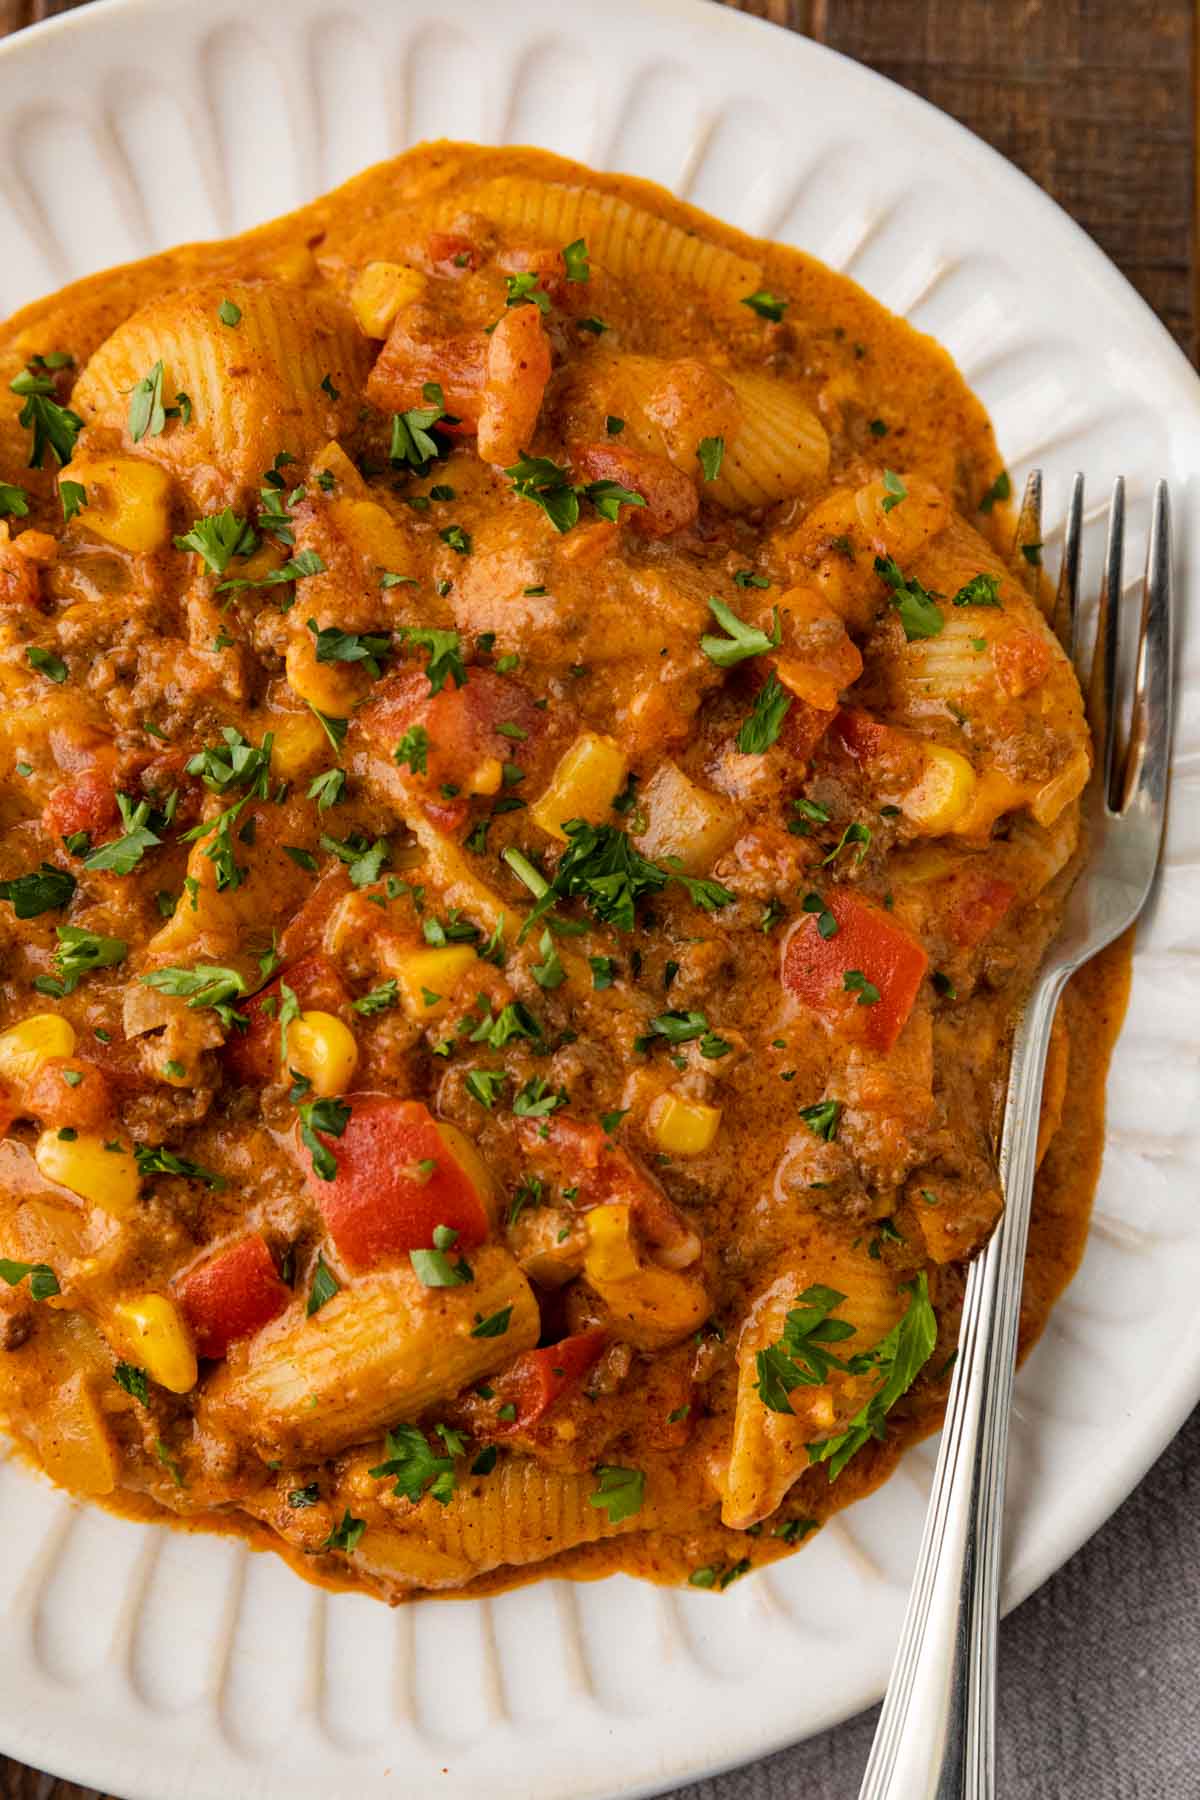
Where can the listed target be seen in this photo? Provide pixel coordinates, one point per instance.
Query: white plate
(155, 1664)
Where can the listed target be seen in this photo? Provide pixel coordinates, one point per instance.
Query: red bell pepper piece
(869, 943)
(397, 1178)
(252, 1055)
(232, 1295)
(537, 1378)
(976, 903)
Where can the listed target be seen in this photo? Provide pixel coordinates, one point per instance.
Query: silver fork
(936, 1734)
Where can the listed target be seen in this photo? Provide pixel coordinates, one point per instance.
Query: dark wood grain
(1095, 99)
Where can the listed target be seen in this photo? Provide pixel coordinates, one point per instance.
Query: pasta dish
(535, 780)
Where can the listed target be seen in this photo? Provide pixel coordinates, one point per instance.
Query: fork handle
(936, 1734)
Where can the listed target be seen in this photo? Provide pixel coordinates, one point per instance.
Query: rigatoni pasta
(532, 797)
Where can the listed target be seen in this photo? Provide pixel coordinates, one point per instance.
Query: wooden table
(1092, 98)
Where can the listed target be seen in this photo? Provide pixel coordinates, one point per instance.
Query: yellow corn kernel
(943, 794)
(371, 530)
(82, 1164)
(333, 688)
(588, 778)
(683, 1127)
(994, 794)
(26, 1046)
(427, 978)
(321, 1048)
(128, 500)
(300, 743)
(150, 1331)
(610, 1255)
(379, 293)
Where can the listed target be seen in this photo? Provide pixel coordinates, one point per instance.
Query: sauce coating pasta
(535, 782)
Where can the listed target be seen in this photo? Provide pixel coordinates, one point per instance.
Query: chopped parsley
(330, 1117)
(800, 1357)
(711, 453)
(981, 590)
(762, 728)
(894, 490)
(218, 537)
(899, 1358)
(46, 663)
(743, 640)
(1001, 489)
(765, 304)
(43, 1282)
(822, 1118)
(920, 617)
(415, 1467)
(325, 1285)
(45, 889)
(620, 1492)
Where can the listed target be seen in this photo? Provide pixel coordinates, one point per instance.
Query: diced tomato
(976, 903)
(452, 254)
(232, 1295)
(414, 355)
(671, 499)
(69, 1092)
(585, 1158)
(253, 1055)
(802, 730)
(536, 1379)
(120, 1061)
(88, 802)
(466, 747)
(860, 734)
(386, 1197)
(1022, 662)
(869, 943)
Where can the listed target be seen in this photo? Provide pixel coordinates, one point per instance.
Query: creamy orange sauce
(594, 634)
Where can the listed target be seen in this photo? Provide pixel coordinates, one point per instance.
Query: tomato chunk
(253, 1055)
(399, 1174)
(463, 747)
(232, 1295)
(536, 1379)
(976, 903)
(868, 944)
(88, 802)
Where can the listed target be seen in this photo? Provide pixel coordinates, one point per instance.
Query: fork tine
(1066, 600)
(1145, 782)
(1102, 680)
(1029, 534)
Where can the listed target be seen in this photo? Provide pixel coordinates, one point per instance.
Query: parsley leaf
(72, 496)
(219, 536)
(799, 1358)
(379, 999)
(445, 656)
(233, 764)
(348, 1535)
(368, 648)
(123, 854)
(42, 890)
(899, 1358)
(54, 427)
(620, 1492)
(918, 614)
(325, 1285)
(331, 1117)
(894, 490)
(822, 1118)
(80, 951)
(14, 501)
(147, 417)
(43, 1282)
(204, 985)
(743, 640)
(46, 663)
(495, 1325)
(133, 1380)
(575, 261)
(711, 453)
(413, 749)
(156, 1159)
(415, 1467)
(981, 590)
(765, 722)
(1001, 489)
(765, 304)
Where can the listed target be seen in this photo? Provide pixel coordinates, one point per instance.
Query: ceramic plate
(155, 1664)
